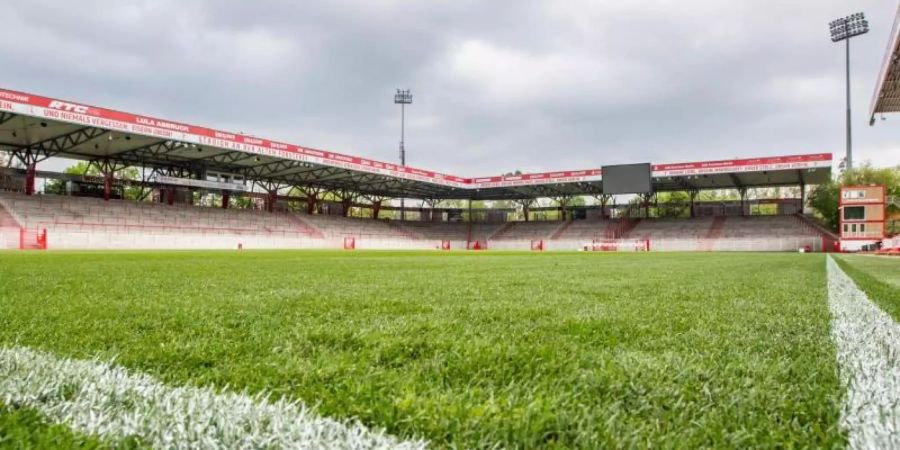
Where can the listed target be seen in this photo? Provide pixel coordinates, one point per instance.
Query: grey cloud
(499, 85)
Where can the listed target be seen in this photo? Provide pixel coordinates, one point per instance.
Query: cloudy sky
(498, 86)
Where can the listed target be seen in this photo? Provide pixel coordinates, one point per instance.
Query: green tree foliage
(673, 204)
(80, 168)
(718, 195)
(83, 168)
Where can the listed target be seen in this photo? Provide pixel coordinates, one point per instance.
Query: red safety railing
(32, 239)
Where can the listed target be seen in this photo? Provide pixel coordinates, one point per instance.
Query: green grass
(24, 429)
(467, 350)
(878, 277)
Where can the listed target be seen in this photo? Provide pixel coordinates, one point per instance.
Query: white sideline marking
(101, 399)
(868, 354)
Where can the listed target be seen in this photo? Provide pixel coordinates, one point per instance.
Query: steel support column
(802, 197)
(693, 196)
(376, 208)
(346, 204)
(107, 185)
(311, 200)
(271, 198)
(226, 199)
(30, 171)
(743, 192)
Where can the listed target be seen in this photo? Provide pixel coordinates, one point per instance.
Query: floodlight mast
(844, 29)
(402, 98)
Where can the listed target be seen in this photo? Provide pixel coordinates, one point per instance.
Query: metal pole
(849, 136)
(402, 154)
(402, 134)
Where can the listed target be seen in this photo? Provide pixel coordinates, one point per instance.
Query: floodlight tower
(842, 30)
(402, 98)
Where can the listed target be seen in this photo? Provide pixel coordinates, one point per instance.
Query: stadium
(192, 287)
(184, 162)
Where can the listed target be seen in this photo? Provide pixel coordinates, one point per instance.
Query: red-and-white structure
(862, 216)
(183, 159)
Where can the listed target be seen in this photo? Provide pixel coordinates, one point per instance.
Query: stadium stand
(458, 234)
(529, 231)
(81, 222)
(186, 161)
(368, 233)
(9, 229)
(750, 233)
(341, 227)
(587, 230)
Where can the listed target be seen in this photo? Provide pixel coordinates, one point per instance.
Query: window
(853, 228)
(854, 212)
(862, 228)
(846, 228)
(855, 194)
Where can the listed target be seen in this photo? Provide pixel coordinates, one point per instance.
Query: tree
(824, 199)
(80, 168)
(83, 168)
(673, 204)
(718, 195)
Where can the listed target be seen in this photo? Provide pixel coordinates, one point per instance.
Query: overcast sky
(498, 86)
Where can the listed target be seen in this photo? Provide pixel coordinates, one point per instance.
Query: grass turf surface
(466, 350)
(21, 428)
(878, 277)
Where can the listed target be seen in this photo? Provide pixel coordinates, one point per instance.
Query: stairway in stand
(9, 230)
(409, 234)
(621, 228)
(304, 226)
(500, 231)
(713, 234)
(561, 229)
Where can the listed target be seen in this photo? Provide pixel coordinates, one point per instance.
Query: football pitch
(458, 350)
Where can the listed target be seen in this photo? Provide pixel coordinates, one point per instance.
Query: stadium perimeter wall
(73, 240)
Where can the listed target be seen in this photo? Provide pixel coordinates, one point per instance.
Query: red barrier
(32, 240)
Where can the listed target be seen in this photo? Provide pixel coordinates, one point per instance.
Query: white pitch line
(868, 355)
(111, 402)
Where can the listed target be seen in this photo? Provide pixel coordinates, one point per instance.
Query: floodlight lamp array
(848, 27)
(403, 97)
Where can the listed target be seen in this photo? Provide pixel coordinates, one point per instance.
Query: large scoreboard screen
(627, 179)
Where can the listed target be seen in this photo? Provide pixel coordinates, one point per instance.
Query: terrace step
(409, 234)
(9, 229)
(305, 226)
(500, 231)
(561, 229)
(7, 220)
(816, 226)
(713, 233)
(623, 228)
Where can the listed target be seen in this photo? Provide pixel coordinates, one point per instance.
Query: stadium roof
(51, 127)
(886, 98)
